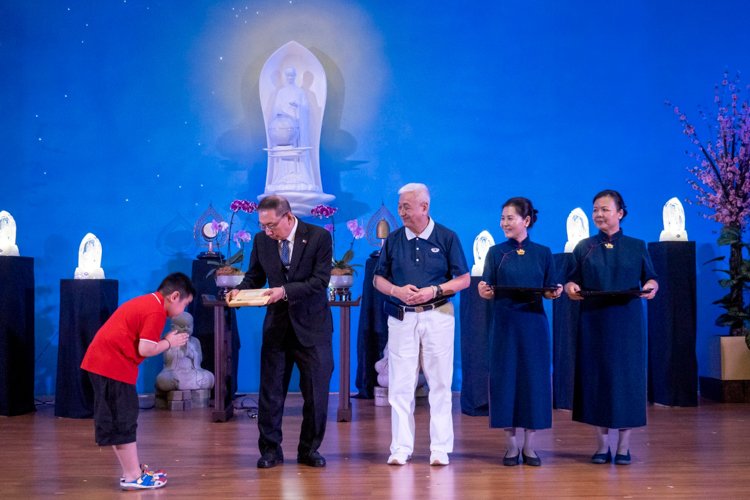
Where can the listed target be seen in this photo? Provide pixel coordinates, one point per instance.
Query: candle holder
(206, 237)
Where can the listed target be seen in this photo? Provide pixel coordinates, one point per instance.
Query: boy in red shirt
(129, 336)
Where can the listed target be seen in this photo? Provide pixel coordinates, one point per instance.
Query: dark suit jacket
(306, 284)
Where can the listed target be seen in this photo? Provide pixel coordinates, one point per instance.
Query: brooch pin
(609, 245)
(520, 251)
(304, 241)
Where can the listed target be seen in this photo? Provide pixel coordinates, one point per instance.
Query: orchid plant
(342, 266)
(723, 186)
(227, 267)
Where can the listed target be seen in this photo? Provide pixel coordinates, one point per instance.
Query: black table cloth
(476, 320)
(203, 319)
(565, 314)
(372, 334)
(16, 335)
(672, 362)
(85, 305)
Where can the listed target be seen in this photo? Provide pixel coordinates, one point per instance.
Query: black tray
(523, 289)
(613, 293)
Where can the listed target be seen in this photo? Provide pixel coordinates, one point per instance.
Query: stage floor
(701, 452)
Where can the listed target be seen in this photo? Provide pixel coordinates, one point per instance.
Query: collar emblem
(520, 251)
(609, 245)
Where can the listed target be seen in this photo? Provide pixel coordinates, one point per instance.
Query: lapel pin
(304, 241)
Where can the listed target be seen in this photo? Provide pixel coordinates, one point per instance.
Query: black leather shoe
(270, 459)
(533, 461)
(601, 458)
(314, 459)
(622, 459)
(511, 461)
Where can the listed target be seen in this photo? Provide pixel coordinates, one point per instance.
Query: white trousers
(434, 331)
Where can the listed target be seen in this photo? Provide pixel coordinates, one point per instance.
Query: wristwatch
(439, 292)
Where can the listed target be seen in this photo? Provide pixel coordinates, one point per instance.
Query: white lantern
(674, 222)
(8, 246)
(482, 244)
(578, 229)
(89, 259)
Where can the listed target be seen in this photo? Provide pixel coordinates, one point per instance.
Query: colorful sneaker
(146, 470)
(147, 481)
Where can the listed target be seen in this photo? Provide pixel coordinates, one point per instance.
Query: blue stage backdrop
(128, 118)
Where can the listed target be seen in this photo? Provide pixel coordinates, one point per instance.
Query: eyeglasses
(271, 226)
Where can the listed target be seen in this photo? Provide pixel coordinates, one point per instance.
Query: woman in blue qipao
(610, 378)
(520, 387)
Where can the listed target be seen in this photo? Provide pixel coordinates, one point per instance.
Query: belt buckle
(419, 309)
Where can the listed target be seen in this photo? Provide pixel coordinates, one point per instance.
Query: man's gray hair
(420, 190)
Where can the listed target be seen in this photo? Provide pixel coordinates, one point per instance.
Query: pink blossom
(352, 225)
(329, 227)
(358, 232)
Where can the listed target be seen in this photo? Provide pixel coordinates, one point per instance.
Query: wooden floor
(699, 452)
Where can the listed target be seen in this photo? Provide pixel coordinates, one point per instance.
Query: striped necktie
(285, 253)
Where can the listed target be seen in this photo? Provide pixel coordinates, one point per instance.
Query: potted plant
(722, 182)
(343, 271)
(228, 273)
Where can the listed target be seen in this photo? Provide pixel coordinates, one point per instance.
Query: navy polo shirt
(432, 258)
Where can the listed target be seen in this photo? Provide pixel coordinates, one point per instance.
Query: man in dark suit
(295, 259)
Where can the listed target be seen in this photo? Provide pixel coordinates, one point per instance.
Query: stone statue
(182, 365)
(8, 246)
(578, 229)
(89, 259)
(381, 367)
(482, 244)
(674, 222)
(293, 117)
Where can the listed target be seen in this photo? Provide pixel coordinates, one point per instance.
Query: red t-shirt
(114, 351)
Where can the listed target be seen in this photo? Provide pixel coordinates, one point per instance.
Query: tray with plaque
(252, 298)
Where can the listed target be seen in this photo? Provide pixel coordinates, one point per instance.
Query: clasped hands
(176, 339)
(411, 295)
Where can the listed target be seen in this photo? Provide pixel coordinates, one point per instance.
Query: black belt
(425, 307)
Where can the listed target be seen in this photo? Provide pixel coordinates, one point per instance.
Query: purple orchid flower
(241, 236)
(329, 227)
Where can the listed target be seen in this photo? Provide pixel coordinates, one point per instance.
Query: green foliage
(737, 314)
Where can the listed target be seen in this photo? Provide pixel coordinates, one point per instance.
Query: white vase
(344, 281)
(229, 281)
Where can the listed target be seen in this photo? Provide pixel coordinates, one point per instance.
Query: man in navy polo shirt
(421, 266)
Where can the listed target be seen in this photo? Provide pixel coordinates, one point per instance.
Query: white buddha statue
(674, 222)
(182, 365)
(89, 259)
(578, 229)
(482, 244)
(292, 168)
(8, 246)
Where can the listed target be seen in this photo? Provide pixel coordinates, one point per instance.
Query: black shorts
(115, 410)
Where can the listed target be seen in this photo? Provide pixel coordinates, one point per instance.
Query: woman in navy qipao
(610, 379)
(520, 388)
